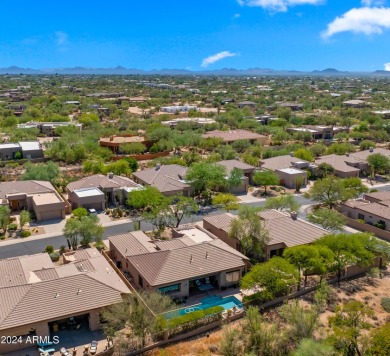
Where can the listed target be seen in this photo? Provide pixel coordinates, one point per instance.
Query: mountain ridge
(120, 70)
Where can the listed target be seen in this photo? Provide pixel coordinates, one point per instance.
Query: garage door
(48, 215)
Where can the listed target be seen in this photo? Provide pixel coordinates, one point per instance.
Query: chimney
(371, 149)
(158, 166)
(110, 175)
(291, 154)
(294, 215)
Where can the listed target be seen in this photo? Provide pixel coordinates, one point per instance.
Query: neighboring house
(320, 132)
(104, 95)
(340, 165)
(292, 106)
(285, 230)
(115, 141)
(48, 128)
(196, 120)
(178, 267)
(288, 168)
(37, 296)
(351, 164)
(247, 104)
(236, 135)
(247, 171)
(27, 149)
(168, 179)
(384, 113)
(373, 209)
(355, 103)
(72, 102)
(39, 197)
(95, 192)
(177, 108)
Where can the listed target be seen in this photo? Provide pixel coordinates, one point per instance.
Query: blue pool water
(208, 302)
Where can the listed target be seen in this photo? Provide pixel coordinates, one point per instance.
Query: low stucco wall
(383, 234)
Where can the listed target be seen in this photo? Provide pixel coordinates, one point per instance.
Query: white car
(93, 347)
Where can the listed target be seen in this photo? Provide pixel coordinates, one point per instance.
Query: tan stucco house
(285, 230)
(98, 191)
(38, 297)
(39, 197)
(179, 267)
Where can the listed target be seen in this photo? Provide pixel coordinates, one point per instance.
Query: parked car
(93, 348)
(46, 347)
(92, 212)
(64, 352)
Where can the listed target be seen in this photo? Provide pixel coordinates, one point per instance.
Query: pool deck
(231, 292)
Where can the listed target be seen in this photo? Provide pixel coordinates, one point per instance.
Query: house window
(232, 277)
(170, 289)
(140, 281)
(361, 216)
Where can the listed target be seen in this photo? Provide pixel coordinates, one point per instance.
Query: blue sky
(197, 34)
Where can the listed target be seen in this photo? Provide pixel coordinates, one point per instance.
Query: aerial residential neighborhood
(195, 178)
(186, 219)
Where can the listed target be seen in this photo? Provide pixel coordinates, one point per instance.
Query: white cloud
(369, 3)
(61, 38)
(236, 16)
(217, 57)
(387, 66)
(364, 20)
(278, 5)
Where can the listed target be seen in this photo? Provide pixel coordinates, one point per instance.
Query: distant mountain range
(225, 71)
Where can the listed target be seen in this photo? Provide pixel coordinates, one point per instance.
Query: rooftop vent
(79, 291)
(158, 166)
(371, 149)
(110, 175)
(191, 259)
(56, 295)
(294, 215)
(291, 154)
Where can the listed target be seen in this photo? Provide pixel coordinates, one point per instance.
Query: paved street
(31, 246)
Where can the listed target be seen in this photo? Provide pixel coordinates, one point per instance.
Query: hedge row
(193, 316)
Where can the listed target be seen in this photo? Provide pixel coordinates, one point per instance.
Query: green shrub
(2, 237)
(25, 233)
(380, 225)
(12, 227)
(386, 304)
(49, 249)
(79, 212)
(55, 256)
(360, 221)
(257, 298)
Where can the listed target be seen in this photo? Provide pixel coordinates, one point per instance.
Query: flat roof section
(30, 145)
(196, 235)
(46, 198)
(290, 171)
(9, 145)
(89, 192)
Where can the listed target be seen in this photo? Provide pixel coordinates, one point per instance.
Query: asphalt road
(29, 247)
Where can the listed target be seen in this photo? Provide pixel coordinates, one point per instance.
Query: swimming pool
(208, 302)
